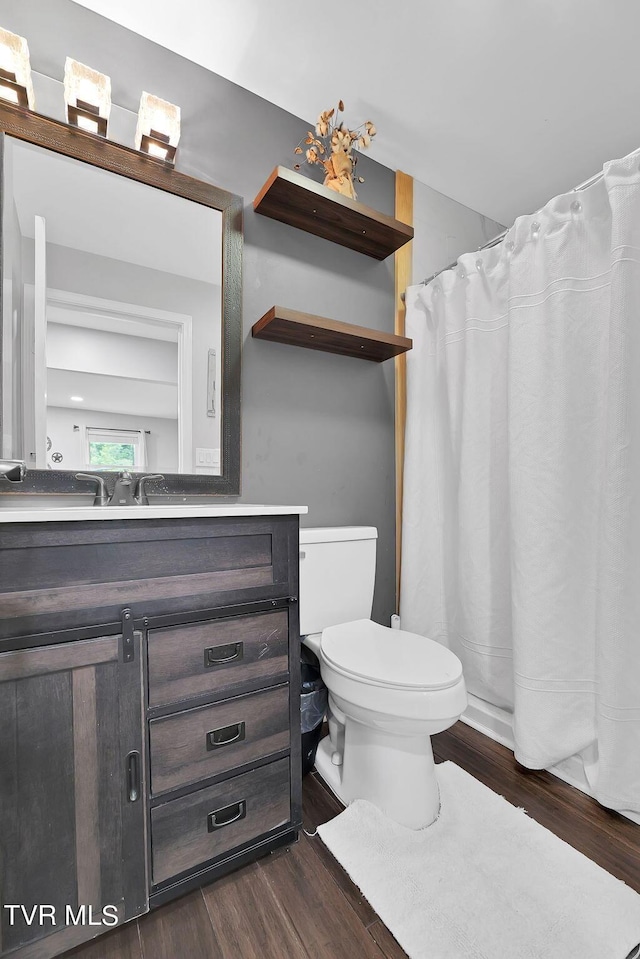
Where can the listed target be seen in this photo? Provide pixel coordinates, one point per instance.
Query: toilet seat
(394, 658)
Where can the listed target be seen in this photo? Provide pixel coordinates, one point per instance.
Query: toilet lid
(390, 657)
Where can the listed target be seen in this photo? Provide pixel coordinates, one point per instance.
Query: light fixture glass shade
(87, 95)
(158, 129)
(16, 85)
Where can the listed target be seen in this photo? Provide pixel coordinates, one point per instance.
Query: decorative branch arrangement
(335, 146)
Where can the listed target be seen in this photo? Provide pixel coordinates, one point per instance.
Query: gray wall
(444, 229)
(317, 429)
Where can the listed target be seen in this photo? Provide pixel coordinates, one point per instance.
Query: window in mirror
(111, 449)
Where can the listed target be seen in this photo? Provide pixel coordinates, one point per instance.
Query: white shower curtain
(521, 529)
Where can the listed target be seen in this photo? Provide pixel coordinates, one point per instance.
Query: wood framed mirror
(121, 324)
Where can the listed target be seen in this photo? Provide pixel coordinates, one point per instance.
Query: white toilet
(389, 690)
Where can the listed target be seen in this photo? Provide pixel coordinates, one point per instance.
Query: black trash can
(313, 706)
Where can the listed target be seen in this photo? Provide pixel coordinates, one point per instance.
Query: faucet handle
(13, 470)
(102, 495)
(140, 494)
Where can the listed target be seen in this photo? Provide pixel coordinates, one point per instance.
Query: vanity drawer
(187, 832)
(217, 655)
(210, 740)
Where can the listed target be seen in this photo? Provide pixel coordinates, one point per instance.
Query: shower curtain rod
(500, 236)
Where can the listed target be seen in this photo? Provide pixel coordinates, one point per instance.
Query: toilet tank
(337, 573)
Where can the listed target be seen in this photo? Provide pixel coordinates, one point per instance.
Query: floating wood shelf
(307, 205)
(318, 333)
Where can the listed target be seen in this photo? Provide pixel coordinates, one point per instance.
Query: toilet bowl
(389, 690)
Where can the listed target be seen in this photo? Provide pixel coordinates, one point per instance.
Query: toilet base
(395, 773)
(330, 773)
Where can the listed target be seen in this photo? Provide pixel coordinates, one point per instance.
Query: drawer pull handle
(225, 735)
(225, 816)
(218, 655)
(133, 776)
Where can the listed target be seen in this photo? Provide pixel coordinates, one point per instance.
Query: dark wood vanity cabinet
(149, 714)
(220, 739)
(72, 816)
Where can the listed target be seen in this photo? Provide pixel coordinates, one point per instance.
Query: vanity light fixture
(15, 70)
(158, 129)
(87, 95)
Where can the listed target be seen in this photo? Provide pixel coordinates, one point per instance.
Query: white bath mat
(483, 882)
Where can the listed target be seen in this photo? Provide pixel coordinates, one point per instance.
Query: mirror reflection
(112, 320)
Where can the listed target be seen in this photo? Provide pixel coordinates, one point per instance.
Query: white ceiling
(111, 394)
(499, 104)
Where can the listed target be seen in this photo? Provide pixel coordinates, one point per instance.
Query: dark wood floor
(300, 904)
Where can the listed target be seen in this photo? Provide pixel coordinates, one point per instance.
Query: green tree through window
(112, 455)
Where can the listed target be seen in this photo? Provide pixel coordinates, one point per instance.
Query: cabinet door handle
(225, 735)
(218, 655)
(133, 776)
(226, 815)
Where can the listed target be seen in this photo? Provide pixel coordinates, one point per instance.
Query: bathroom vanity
(149, 709)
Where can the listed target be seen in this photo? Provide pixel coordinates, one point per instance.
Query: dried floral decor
(334, 147)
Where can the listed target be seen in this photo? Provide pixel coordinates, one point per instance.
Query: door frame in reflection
(140, 317)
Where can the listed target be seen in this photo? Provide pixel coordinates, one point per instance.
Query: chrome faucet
(102, 495)
(123, 491)
(13, 470)
(141, 492)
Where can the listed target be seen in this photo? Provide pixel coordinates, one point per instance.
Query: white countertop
(59, 514)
